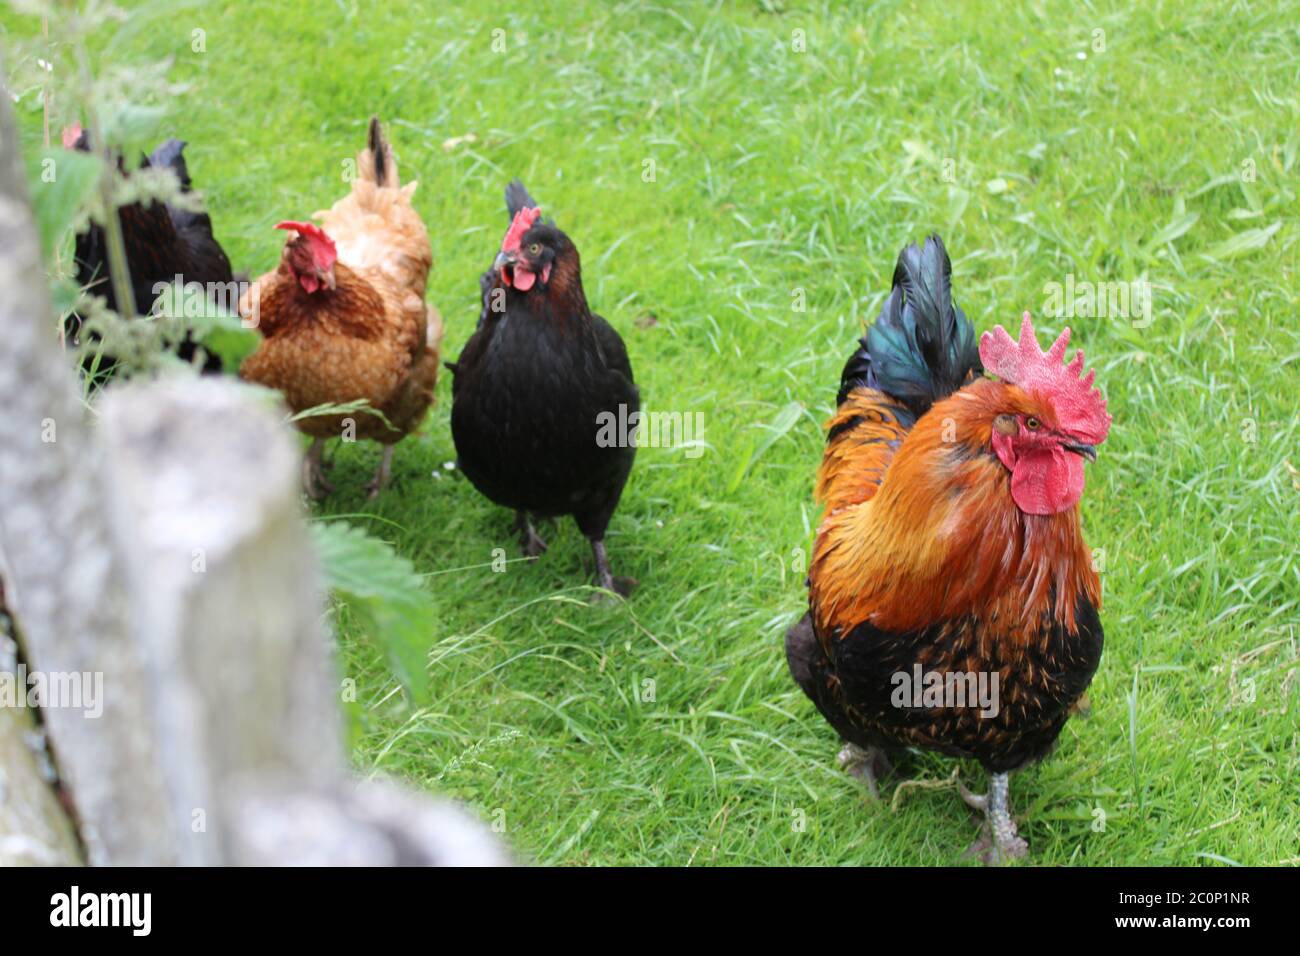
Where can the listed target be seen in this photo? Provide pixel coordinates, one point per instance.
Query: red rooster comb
(1080, 409)
(70, 136)
(522, 222)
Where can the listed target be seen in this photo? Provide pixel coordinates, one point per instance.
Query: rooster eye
(1032, 423)
(535, 248)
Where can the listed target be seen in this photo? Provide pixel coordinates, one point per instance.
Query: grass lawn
(1109, 145)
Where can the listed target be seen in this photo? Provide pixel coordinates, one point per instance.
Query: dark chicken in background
(531, 384)
(951, 542)
(161, 242)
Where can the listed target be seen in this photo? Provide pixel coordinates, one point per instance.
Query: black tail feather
(921, 348)
(378, 149)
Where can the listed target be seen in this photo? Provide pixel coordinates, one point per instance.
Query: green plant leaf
(1174, 230)
(1243, 242)
(134, 125)
(783, 422)
(340, 408)
(64, 294)
(386, 594)
(61, 182)
(1215, 183)
(958, 200)
(231, 342)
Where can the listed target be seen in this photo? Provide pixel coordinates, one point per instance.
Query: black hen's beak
(504, 259)
(1087, 451)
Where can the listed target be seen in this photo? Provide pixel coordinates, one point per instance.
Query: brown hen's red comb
(1080, 409)
(522, 222)
(323, 251)
(308, 229)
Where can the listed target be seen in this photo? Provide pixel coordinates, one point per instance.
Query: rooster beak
(1087, 451)
(504, 259)
(328, 278)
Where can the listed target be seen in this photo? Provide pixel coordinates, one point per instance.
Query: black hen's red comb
(522, 222)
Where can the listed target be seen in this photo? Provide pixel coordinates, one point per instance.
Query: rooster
(532, 385)
(343, 318)
(951, 544)
(162, 242)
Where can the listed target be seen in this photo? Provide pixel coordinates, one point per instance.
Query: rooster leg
(382, 473)
(1000, 841)
(529, 539)
(605, 576)
(868, 764)
(313, 482)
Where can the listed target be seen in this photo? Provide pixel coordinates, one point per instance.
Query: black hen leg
(605, 576)
(529, 540)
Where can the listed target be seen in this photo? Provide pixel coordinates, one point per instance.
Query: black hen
(535, 383)
(161, 242)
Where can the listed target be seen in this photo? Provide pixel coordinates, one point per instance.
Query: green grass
(778, 171)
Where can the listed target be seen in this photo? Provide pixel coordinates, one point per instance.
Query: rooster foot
(385, 470)
(999, 841)
(313, 481)
(989, 852)
(531, 542)
(868, 764)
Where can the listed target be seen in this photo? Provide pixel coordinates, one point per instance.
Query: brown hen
(343, 317)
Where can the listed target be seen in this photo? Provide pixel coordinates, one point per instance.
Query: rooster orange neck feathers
(974, 551)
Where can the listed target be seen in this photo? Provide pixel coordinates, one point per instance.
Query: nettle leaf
(64, 295)
(385, 593)
(61, 183)
(134, 124)
(221, 332)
